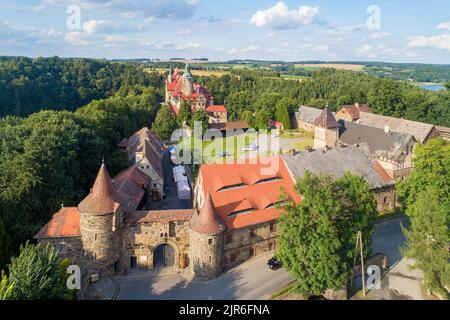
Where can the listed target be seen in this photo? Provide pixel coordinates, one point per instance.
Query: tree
(185, 113)
(5, 287)
(202, 117)
(318, 236)
(5, 246)
(165, 123)
(282, 113)
(262, 119)
(35, 273)
(428, 240)
(447, 85)
(431, 168)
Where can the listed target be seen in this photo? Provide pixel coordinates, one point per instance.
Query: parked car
(251, 147)
(274, 263)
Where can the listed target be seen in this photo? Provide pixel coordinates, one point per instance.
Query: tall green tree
(282, 113)
(262, 119)
(35, 273)
(318, 235)
(165, 123)
(6, 287)
(185, 113)
(428, 240)
(201, 117)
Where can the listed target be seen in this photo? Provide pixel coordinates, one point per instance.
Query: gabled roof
(216, 108)
(353, 110)
(233, 125)
(335, 162)
(103, 198)
(64, 224)
(131, 184)
(326, 120)
(308, 114)
(391, 145)
(206, 220)
(163, 216)
(420, 131)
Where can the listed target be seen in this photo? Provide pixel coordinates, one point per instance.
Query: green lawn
(303, 144)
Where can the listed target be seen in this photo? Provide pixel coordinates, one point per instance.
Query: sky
(289, 30)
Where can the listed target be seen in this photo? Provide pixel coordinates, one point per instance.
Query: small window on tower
(95, 237)
(210, 241)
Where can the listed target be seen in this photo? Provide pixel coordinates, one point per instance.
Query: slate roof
(419, 130)
(308, 114)
(337, 161)
(390, 145)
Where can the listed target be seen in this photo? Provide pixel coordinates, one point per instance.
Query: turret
(188, 81)
(101, 216)
(206, 241)
(326, 132)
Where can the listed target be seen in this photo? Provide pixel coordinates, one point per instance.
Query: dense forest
(250, 97)
(30, 85)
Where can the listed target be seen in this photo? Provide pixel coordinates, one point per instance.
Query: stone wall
(101, 243)
(206, 254)
(68, 248)
(241, 244)
(140, 239)
(386, 200)
(300, 124)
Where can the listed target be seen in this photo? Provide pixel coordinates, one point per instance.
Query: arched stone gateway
(164, 256)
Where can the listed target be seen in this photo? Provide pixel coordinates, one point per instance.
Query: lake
(432, 87)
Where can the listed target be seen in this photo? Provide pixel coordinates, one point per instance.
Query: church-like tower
(188, 81)
(101, 217)
(326, 132)
(206, 242)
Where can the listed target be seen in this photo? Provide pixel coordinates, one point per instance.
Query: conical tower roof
(326, 120)
(103, 198)
(206, 221)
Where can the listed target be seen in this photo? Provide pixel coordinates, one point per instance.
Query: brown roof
(131, 184)
(216, 108)
(158, 216)
(103, 198)
(144, 141)
(326, 120)
(206, 220)
(230, 125)
(382, 172)
(64, 224)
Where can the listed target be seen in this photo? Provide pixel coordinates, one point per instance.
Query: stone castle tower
(206, 242)
(101, 217)
(326, 132)
(188, 81)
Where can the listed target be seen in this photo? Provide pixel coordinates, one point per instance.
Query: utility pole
(363, 271)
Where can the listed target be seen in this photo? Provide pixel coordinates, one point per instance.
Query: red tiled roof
(233, 125)
(246, 191)
(352, 111)
(381, 172)
(65, 223)
(216, 108)
(158, 216)
(103, 198)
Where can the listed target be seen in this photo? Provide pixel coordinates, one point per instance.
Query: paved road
(171, 200)
(251, 280)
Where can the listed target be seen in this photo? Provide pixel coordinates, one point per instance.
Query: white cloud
(411, 54)
(280, 17)
(75, 38)
(129, 14)
(108, 26)
(379, 35)
(444, 26)
(184, 32)
(437, 42)
(253, 47)
(371, 52)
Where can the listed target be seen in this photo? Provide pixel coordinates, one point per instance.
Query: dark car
(274, 264)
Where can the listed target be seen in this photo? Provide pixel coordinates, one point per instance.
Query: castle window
(162, 235)
(210, 241)
(386, 200)
(210, 259)
(229, 238)
(273, 227)
(172, 231)
(95, 237)
(233, 258)
(252, 233)
(251, 252)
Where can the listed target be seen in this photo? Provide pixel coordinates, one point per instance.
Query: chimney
(357, 105)
(387, 129)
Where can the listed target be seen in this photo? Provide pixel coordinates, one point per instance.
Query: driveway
(171, 200)
(251, 280)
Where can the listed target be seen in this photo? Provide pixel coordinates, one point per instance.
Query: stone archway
(164, 256)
